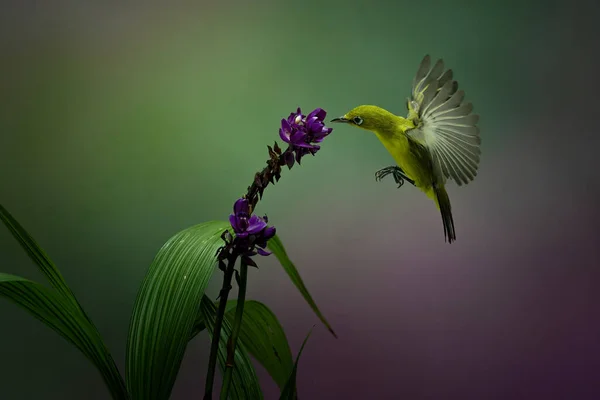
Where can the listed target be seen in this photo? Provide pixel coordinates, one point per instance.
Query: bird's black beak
(340, 119)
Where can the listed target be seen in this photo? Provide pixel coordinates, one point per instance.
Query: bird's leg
(397, 173)
(400, 177)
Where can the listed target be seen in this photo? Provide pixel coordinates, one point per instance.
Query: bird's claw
(397, 173)
(382, 173)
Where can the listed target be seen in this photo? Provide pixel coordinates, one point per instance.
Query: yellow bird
(439, 139)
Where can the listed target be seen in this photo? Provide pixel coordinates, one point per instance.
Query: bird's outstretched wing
(444, 123)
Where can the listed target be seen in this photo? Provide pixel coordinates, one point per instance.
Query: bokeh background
(121, 124)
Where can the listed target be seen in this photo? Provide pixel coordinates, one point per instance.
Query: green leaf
(166, 308)
(39, 257)
(199, 325)
(277, 248)
(245, 382)
(60, 314)
(264, 338)
(62, 301)
(290, 389)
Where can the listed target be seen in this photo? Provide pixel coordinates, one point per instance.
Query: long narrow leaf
(245, 385)
(289, 392)
(199, 324)
(276, 246)
(104, 362)
(264, 338)
(37, 254)
(60, 314)
(166, 308)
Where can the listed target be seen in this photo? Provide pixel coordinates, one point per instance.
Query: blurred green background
(121, 124)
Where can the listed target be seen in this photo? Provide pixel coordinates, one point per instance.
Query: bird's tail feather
(443, 203)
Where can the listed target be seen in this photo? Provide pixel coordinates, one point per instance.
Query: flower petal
(285, 131)
(233, 222)
(262, 252)
(255, 225)
(319, 113)
(284, 136)
(304, 145)
(313, 125)
(269, 232)
(241, 206)
(298, 137)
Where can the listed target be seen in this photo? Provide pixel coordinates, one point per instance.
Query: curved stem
(235, 333)
(214, 346)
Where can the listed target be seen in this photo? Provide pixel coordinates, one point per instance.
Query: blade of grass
(64, 317)
(276, 246)
(245, 385)
(289, 392)
(166, 308)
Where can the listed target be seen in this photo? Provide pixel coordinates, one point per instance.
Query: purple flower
(251, 231)
(302, 133)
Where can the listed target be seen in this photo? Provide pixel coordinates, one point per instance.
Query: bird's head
(371, 118)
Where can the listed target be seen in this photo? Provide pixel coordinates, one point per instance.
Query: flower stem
(235, 333)
(270, 174)
(214, 347)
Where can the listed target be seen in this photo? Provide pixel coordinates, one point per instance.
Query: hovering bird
(438, 140)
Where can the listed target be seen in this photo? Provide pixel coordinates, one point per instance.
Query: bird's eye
(357, 120)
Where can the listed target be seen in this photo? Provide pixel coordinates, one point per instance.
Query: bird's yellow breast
(398, 146)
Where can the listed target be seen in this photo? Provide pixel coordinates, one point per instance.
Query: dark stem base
(214, 347)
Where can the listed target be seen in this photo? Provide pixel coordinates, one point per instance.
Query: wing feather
(470, 151)
(445, 123)
(443, 93)
(421, 74)
(459, 171)
(465, 121)
(466, 164)
(428, 94)
(452, 102)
